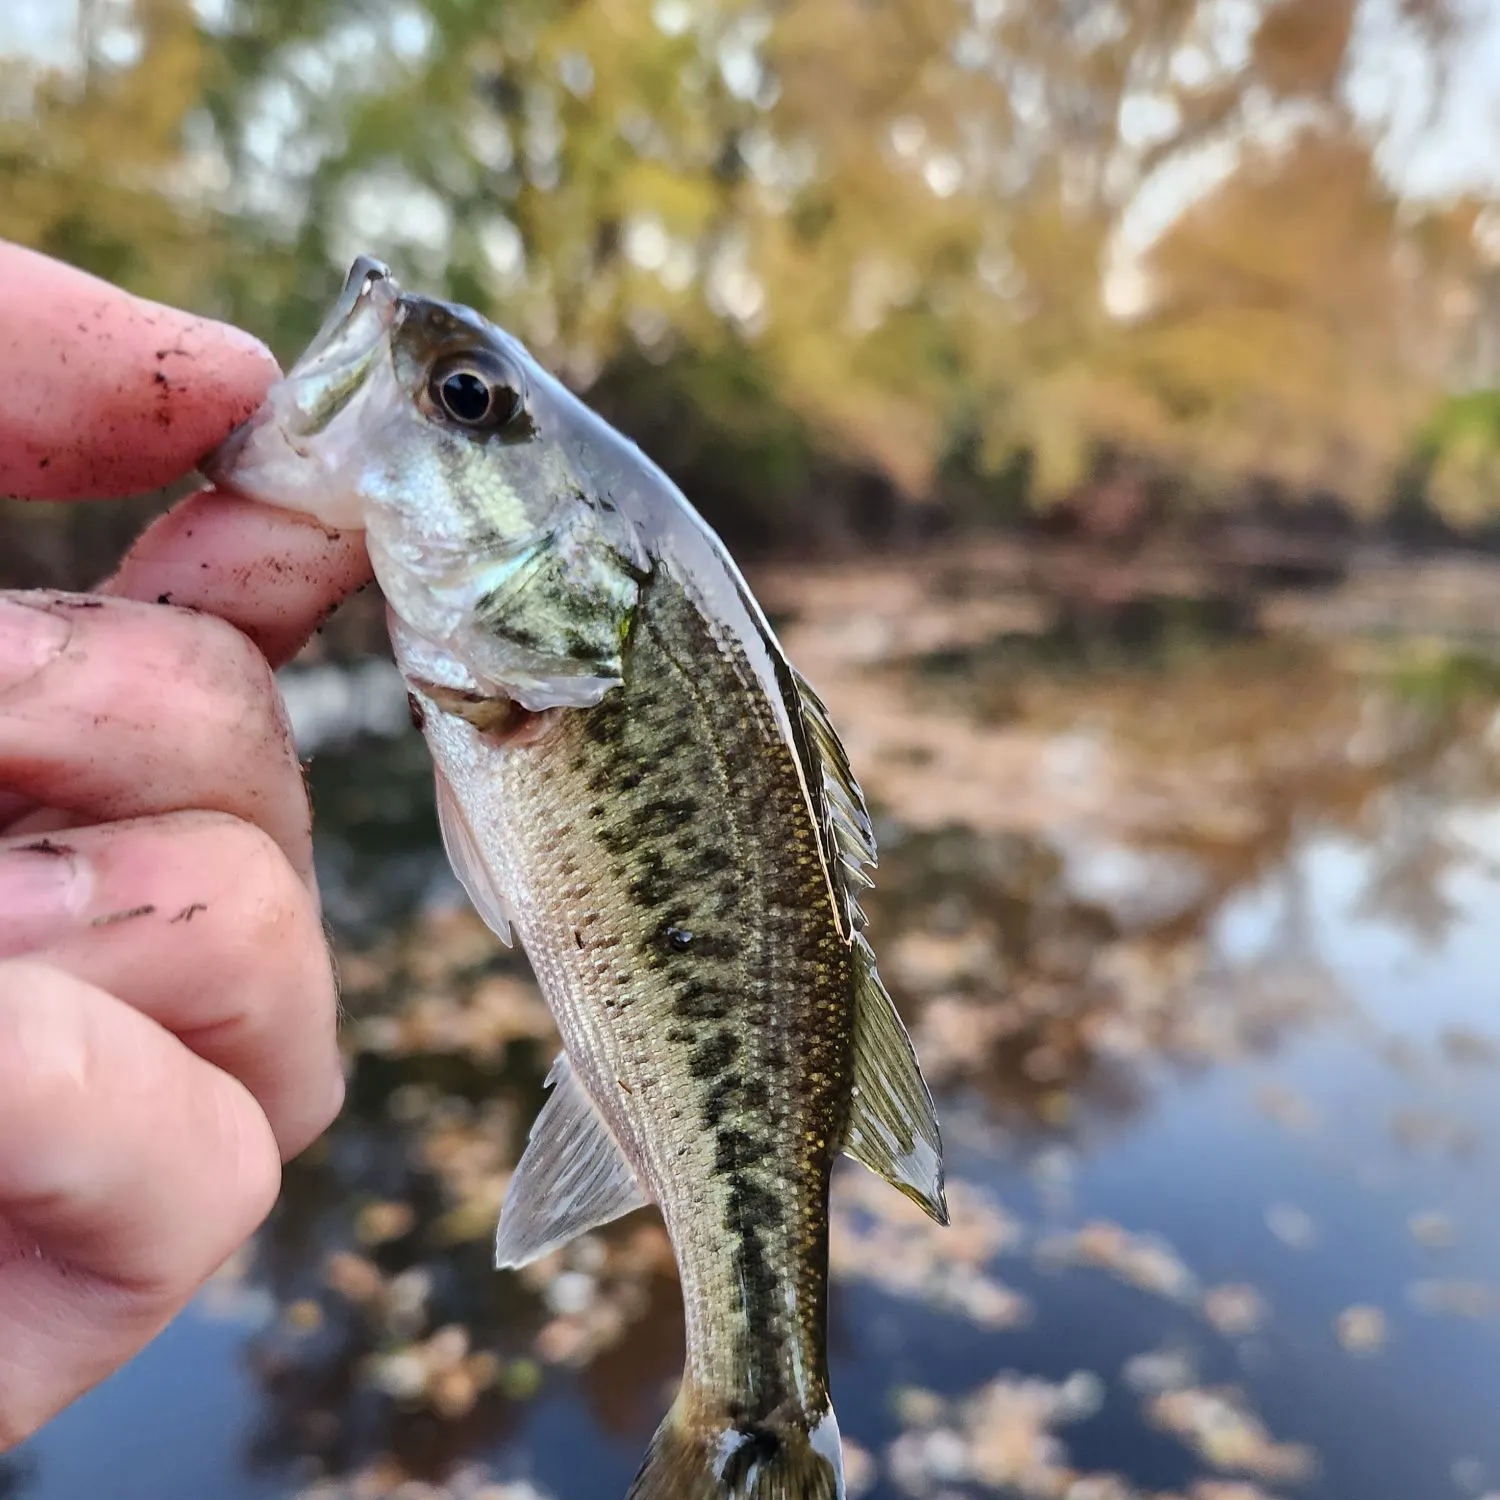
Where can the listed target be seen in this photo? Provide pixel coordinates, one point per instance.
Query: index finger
(103, 393)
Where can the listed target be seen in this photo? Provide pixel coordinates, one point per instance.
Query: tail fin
(692, 1460)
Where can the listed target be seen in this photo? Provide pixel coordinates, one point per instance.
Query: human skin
(167, 1005)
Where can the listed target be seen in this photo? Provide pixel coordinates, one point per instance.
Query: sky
(1460, 147)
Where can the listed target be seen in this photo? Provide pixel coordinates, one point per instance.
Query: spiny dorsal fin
(848, 837)
(572, 1176)
(893, 1128)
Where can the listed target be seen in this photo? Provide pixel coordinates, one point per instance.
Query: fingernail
(29, 639)
(44, 889)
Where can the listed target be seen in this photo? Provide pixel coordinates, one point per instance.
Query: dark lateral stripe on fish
(648, 831)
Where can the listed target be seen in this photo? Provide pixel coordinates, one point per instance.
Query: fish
(633, 779)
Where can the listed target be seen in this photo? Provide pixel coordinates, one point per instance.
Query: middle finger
(196, 920)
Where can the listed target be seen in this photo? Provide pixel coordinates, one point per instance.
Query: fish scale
(632, 776)
(766, 960)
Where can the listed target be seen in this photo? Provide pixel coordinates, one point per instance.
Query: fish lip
(365, 274)
(272, 457)
(296, 407)
(342, 351)
(365, 269)
(222, 466)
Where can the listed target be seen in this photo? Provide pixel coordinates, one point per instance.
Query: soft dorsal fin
(893, 1128)
(572, 1176)
(462, 849)
(848, 837)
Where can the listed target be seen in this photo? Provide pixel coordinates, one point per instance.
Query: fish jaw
(300, 450)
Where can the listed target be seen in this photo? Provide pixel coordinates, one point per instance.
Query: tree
(889, 223)
(1290, 328)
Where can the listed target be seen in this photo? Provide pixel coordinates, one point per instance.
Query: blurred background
(1104, 398)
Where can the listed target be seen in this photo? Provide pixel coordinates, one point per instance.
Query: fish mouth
(335, 363)
(364, 274)
(272, 457)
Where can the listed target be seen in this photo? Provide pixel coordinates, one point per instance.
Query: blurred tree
(879, 230)
(96, 157)
(1295, 327)
(1462, 448)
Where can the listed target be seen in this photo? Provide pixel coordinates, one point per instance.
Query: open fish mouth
(335, 363)
(272, 457)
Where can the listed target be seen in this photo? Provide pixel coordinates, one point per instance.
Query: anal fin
(572, 1176)
(893, 1128)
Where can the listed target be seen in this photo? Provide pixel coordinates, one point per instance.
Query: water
(1198, 951)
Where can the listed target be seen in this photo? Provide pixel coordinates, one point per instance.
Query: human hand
(167, 1008)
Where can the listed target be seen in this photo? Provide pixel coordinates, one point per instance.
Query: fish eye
(474, 391)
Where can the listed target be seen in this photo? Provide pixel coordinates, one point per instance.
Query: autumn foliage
(787, 244)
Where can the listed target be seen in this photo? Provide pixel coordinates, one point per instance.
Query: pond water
(1199, 949)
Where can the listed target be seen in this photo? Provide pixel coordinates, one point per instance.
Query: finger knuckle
(273, 919)
(275, 1008)
(257, 910)
(205, 670)
(231, 673)
(263, 881)
(271, 915)
(229, 1179)
(45, 1047)
(252, 1156)
(333, 1101)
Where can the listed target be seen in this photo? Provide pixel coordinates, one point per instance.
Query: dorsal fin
(893, 1127)
(848, 837)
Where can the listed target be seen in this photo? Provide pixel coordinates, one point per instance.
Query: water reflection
(1196, 952)
(13, 1476)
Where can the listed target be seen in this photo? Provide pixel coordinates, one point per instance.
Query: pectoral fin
(462, 849)
(893, 1129)
(573, 1176)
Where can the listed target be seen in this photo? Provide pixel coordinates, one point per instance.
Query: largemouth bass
(633, 778)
